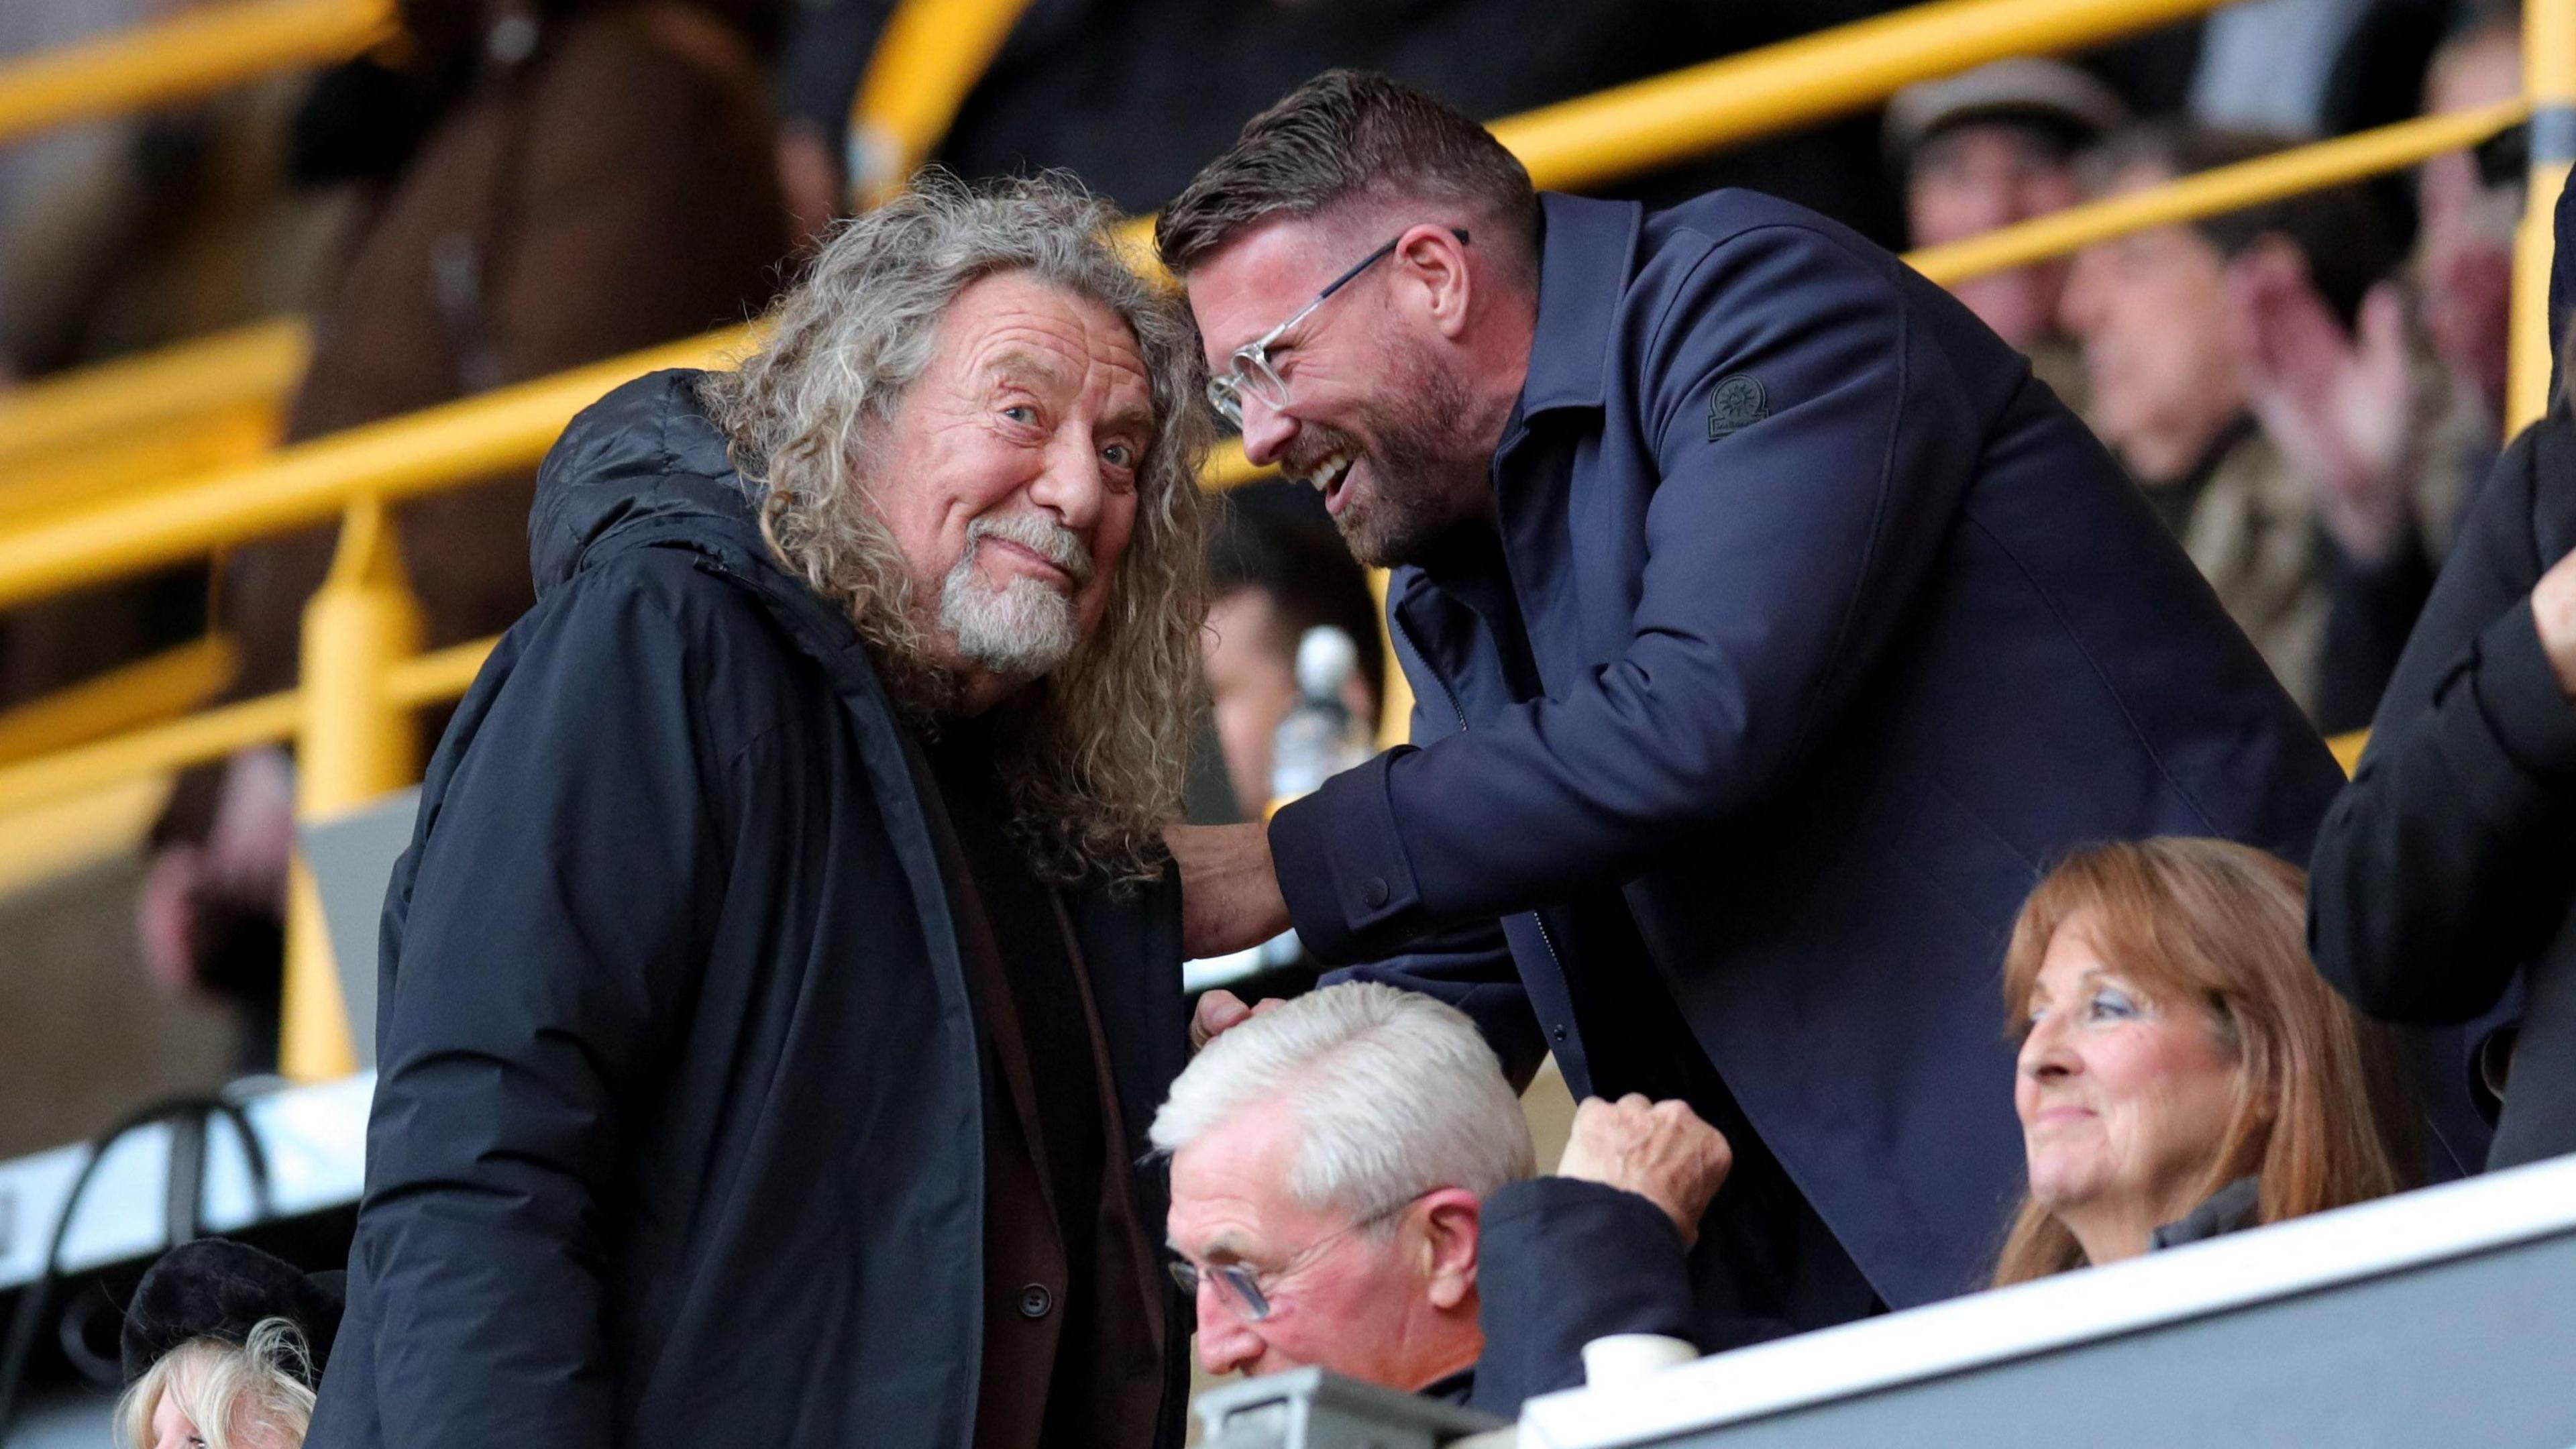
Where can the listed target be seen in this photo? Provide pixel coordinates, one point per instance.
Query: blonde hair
(250, 1395)
(2325, 1113)
(1093, 755)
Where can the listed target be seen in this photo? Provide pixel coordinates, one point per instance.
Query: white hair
(1397, 1094)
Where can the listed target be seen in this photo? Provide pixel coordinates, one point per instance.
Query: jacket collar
(2232, 1208)
(1586, 249)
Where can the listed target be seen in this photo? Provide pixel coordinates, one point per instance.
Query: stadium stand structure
(2357, 1299)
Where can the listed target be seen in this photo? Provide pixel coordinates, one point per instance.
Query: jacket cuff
(1606, 1222)
(2518, 694)
(1561, 1263)
(1342, 870)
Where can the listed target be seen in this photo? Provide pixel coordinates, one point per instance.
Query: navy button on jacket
(1845, 629)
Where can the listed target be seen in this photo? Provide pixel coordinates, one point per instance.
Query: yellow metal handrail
(246, 368)
(414, 683)
(2215, 192)
(185, 56)
(148, 691)
(425, 452)
(210, 735)
(1689, 113)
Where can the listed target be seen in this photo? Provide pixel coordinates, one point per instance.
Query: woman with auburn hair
(2184, 1072)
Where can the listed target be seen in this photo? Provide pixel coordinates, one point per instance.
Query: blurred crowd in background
(2306, 392)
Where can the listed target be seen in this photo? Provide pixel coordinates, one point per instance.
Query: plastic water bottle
(1320, 738)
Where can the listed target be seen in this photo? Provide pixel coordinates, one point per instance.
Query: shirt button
(1375, 893)
(1557, 1032)
(1035, 1300)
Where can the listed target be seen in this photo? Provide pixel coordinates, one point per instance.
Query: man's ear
(1452, 1229)
(1434, 260)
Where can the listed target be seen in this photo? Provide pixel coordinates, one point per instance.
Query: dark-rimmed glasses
(1249, 369)
(1240, 1285)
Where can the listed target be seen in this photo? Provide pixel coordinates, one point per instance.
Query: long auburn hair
(1093, 755)
(2325, 1110)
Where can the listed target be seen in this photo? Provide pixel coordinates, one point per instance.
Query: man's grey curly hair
(1093, 755)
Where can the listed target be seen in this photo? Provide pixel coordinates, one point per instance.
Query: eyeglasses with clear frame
(1249, 369)
(1240, 1285)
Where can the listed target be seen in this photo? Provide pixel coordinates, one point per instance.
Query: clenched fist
(1661, 1151)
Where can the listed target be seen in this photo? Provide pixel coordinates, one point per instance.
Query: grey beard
(1022, 630)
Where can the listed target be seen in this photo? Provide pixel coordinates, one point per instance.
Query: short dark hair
(1348, 135)
(2341, 231)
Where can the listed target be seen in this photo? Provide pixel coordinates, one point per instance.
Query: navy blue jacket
(1839, 629)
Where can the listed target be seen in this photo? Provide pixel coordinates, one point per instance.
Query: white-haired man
(783, 969)
(1352, 1189)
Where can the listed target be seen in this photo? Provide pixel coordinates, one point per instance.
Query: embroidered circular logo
(1736, 402)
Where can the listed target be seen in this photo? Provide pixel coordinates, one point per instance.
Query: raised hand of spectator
(2340, 406)
(2553, 609)
(1661, 1151)
(241, 866)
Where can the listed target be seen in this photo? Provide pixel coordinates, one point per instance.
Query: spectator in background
(1993, 147)
(1352, 1188)
(2396, 426)
(566, 180)
(2255, 372)
(2445, 877)
(1270, 579)
(2184, 1073)
(2467, 205)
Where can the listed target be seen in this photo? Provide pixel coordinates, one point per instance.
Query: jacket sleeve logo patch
(1736, 402)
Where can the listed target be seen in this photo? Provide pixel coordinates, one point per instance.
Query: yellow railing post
(2549, 83)
(929, 56)
(355, 744)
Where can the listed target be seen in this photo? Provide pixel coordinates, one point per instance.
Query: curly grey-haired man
(768, 1035)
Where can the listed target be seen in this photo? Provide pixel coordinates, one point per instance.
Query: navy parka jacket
(676, 1136)
(1842, 629)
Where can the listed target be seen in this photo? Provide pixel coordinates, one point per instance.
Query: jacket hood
(646, 450)
(2562, 283)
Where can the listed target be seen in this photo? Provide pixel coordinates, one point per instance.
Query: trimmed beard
(1422, 477)
(1025, 628)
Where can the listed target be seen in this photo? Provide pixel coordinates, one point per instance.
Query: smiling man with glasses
(1770, 628)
